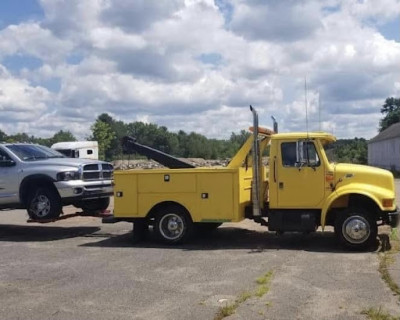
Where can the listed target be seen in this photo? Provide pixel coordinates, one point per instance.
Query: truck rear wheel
(173, 225)
(356, 229)
(44, 203)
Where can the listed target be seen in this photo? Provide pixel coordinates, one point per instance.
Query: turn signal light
(387, 203)
(329, 177)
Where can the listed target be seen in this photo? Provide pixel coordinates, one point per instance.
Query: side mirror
(7, 163)
(301, 160)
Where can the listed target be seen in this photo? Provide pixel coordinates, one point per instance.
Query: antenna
(306, 102)
(319, 110)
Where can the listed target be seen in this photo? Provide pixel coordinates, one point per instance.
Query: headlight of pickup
(68, 175)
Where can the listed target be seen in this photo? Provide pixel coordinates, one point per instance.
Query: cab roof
(327, 137)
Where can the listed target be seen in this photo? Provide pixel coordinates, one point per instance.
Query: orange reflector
(387, 203)
(329, 177)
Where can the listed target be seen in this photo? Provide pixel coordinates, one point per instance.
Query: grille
(102, 171)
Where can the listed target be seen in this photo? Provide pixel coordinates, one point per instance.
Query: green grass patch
(226, 311)
(378, 314)
(244, 296)
(386, 259)
(230, 308)
(394, 236)
(266, 278)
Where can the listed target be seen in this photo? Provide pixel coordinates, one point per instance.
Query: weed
(226, 311)
(244, 296)
(262, 289)
(265, 278)
(385, 259)
(378, 314)
(394, 236)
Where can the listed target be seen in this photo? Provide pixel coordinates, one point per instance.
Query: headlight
(68, 175)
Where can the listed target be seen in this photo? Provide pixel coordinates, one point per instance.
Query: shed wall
(385, 154)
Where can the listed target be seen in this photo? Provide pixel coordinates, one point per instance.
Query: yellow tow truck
(298, 191)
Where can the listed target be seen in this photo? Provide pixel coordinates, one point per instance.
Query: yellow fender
(374, 193)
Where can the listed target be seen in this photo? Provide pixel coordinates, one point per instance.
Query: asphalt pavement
(78, 268)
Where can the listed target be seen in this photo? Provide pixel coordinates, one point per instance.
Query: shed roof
(392, 132)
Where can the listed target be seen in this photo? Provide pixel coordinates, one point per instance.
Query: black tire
(93, 206)
(356, 229)
(140, 230)
(44, 203)
(173, 225)
(207, 227)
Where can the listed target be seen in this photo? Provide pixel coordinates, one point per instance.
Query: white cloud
(187, 64)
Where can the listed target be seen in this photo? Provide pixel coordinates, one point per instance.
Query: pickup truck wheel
(95, 205)
(356, 229)
(43, 204)
(173, 225)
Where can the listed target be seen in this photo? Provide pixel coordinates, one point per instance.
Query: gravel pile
(150, 164)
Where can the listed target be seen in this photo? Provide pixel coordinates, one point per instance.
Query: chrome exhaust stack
(255, 184)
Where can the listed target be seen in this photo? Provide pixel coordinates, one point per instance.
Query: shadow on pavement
(18, 233)
(235, 238)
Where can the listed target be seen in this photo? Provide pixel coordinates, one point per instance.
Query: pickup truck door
(9, 179)
(300, 175)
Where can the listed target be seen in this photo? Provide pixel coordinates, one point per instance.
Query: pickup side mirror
(7, 163)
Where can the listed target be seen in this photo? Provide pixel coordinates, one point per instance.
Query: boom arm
(129, 145)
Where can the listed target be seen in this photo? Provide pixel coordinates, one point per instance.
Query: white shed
(384, 149)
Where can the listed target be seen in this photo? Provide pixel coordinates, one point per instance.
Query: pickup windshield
(32, 152)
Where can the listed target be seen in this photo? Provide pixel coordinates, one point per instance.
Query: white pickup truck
(43, 180)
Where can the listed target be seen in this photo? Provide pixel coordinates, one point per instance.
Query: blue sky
(186, 64)
(17, 11)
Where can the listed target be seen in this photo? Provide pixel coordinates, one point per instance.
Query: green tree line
(108, 132)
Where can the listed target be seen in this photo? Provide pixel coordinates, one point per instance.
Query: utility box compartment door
(216, 196)
(125, 195)
(168, 182)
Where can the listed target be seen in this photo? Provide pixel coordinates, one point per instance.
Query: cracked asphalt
(78, 268)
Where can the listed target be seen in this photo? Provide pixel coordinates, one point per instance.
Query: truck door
(300, 174)
(9, 179)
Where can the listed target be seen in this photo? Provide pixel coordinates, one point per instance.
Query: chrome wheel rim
(356, 229)
(40, 206)
(172, 226)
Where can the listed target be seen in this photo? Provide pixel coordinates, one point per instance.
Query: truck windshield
(330, 152)
(32, 152)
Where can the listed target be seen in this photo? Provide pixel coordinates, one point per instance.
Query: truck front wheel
(173, 225)
(356, 229)
(44, 203)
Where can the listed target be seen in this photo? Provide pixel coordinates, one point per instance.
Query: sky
(197, 65)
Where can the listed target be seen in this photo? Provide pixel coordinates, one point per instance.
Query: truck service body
(299, 190)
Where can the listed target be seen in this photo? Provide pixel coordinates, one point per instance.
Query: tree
(391, 110)
(103, 134)
(62, 136)
(3, 136)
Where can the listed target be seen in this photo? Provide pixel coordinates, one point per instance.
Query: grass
(262, 288)
(378, 314)
(263, 283)
(394, 236)
(386, 259)
(226, 311)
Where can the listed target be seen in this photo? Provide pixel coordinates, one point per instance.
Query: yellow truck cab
(298, 191)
